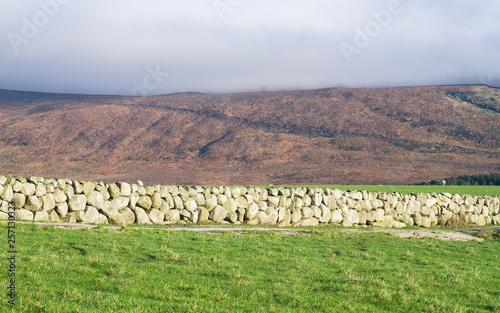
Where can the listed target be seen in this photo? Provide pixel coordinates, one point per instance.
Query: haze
(126, 47)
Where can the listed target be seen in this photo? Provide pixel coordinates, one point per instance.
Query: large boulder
(156, 216)
(24, 215)
(33, 203)
(95, 199)
(145, 202)
(141, 216)
(218, 214)
(91, 215)
(77, 203)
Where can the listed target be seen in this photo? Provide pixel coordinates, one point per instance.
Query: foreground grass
(319, 271)
(463, 190)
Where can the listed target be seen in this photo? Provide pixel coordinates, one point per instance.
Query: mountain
(329, 136)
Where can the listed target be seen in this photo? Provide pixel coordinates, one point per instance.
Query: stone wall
(63, 200)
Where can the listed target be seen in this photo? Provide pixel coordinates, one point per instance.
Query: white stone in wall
(326, 214)
(144, 202)
(48, 202)
(141, 216)
(33, 203)
(156, 200)
(241, 202)
(24, 215)
(272, 214)
(252, 211)
(307, 213)
(41, 216)
(204, 214)
(19, 200)
(218, 214)
(7, 194)
(157, 217)
(128, 216)
(296, 216)
(91, 215)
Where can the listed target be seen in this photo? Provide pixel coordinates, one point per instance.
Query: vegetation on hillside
(470, 180)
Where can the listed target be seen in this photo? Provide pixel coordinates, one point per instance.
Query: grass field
(463, 190)
(323, 270)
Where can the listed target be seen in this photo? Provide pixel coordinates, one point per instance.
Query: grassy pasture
(463, 190)
(316, 270)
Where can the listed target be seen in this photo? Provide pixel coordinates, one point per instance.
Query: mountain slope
(383, 135)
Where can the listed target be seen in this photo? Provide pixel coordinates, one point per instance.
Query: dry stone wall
(64, 200)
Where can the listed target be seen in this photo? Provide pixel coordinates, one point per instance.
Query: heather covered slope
(383, 136)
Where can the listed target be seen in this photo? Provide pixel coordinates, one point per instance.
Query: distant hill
(470, 180)
(329, 136)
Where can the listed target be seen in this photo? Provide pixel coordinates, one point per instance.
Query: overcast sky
(151, 47)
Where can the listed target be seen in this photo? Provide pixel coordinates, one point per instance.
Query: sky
(149, 47)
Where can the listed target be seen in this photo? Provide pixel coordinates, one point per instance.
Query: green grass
(463, 190)
(323, 270)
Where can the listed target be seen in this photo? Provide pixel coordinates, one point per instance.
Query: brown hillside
(328, 136)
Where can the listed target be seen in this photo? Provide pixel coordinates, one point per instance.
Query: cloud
(107, 47)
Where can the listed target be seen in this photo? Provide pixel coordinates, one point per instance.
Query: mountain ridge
(327, 136)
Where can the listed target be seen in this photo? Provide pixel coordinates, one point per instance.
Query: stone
(353, 217)
(156, 216)
(7, 194)
(326, 214)
(426, 222)
(91, 215)
(19, 200)
(141, 216)
(173, 216)
(190, 205)
(397, 224)
(59, 196)
(109, 209)
(156, 200)
(218, 214)
(262, 218)
(114, 191)
(24, 215)
(336, 217)
(77, 203)
(231, 206)
(194, 216)
(481, 220)
(252, 211)
(241, 202)
(41, 216)
(28, 189)
(117, 219)
(125, 189)
(272, 214)
(273, 201)
(62, 209)
(296, 216)
(128, 216)
(69, 191)
(95, 199)
(145, 202)
(48, 202)
(204, 214)
(211, 202)
(88, 187)
(312, 221)
(178, 203)
(408, 220)
(78, 188)
(307, 213)
(134, 197)
(53, 217)
(102, 219)
(33, 203)
(120, 203)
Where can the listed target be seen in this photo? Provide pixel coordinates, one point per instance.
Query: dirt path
(465, 234)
